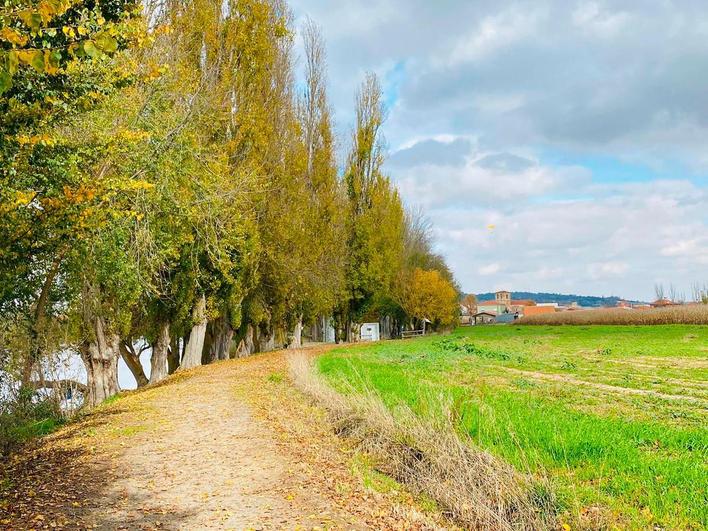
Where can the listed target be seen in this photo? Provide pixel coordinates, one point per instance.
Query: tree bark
(224, 340)
(160, 354)
(207, 354)
(193, 349)
(265, 339)
(246, 346)
(217, 343)
(100, 356)
(173, 357)
(40, 318)
(132, 360)
(296, 339)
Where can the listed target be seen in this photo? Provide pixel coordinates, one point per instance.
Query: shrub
(23, 418)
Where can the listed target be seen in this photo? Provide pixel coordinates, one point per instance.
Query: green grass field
(615, 416)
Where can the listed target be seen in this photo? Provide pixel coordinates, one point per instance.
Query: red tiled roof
(521, 302)
(663, 302)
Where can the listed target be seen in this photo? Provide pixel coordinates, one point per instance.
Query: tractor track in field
(605, 387)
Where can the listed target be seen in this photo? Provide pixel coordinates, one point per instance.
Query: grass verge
(430, 456)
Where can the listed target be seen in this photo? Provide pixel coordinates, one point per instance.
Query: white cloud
(681, 248)
(489, 269)
(590, 17)
(500, 178)
(603, 270)
(494, 33)
(620, 240)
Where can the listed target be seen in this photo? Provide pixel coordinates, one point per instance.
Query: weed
(112, 399)
(276, 377)
(568, 365)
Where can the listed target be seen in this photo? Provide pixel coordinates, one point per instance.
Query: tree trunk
(296, 339)
(217, 343)
(221, 346)
(37, 328)
(246, 346)
(208, 354)
(160, 354)
(132, 360)
(266, 339)
(194, 347)
(173, 356)
(100, 356)
(348, 331)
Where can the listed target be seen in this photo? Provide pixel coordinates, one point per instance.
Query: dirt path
(228, 446)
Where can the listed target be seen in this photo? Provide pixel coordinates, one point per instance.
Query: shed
(481, 318)
(370, 332)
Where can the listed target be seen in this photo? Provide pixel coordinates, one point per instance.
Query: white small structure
(370, 332)
(329, 333)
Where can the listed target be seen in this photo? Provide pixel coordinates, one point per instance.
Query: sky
(556, 145)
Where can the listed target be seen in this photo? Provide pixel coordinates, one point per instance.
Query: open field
(616, 417)
(694, 314)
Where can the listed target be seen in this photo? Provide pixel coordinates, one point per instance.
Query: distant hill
(582, 300)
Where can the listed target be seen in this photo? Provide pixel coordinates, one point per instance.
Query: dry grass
(431, 456)
(694, 314)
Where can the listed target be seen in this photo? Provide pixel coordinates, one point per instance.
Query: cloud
(620, 240)
(602, 270)
(432, 152)
(433, 173)
(505, 162)
(575, 74)
(489, 269)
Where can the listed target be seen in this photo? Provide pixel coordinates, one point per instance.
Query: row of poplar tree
(166, 182)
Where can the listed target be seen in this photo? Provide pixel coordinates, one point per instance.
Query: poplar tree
(375, 213)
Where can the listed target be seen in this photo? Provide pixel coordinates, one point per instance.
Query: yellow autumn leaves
(33, 46)
(43, 13)
(13, 36)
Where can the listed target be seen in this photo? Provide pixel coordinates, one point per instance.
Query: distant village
(504, 309)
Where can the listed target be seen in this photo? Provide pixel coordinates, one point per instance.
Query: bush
(23, 417)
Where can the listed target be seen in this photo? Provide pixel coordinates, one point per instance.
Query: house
(492, 307)
(663, 303)
(465, 315)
